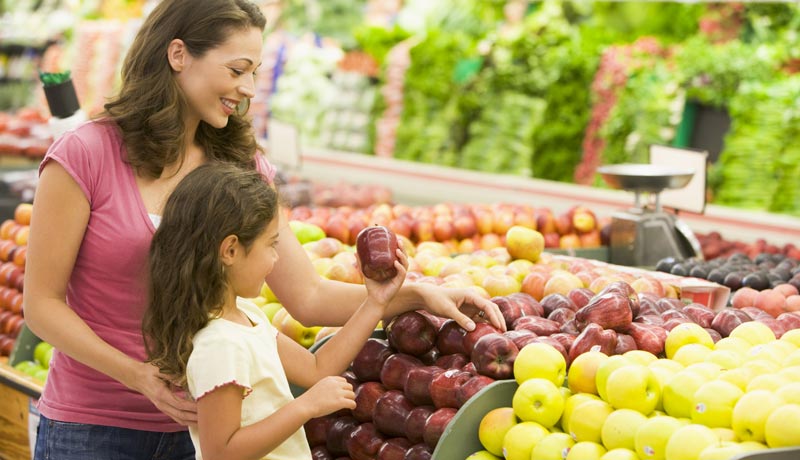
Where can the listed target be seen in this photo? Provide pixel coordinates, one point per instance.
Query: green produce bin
(600, 253)
(23, 347)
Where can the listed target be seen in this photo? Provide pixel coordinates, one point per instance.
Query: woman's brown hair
(150, 105)
(187, 280)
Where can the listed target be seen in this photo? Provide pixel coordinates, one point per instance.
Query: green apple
(634, 387)
(538, 400)
(751, 412)
(26, 367)
(684, 334)
(587, 420)
(781, 429)
(520, 440)
(483, 455)
(688, 441)
(619, 428)
(651, 438)
(267, 293)
(570, 404)
(754, 332)
(40, 374)
(605, 369)
(724, 451)
(713, 403)
(678, 393)
(554, 446)
(493, 428)
(585, 450)
(540, 360)
(296, 331)
(270, 308)
(691, 353)
(42, 353)
(640, 356)
(581, 376)
(306, 232)
(620, 454)
(524, 243)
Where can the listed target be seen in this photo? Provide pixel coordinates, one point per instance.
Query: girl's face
(217, 82)
(246, 274)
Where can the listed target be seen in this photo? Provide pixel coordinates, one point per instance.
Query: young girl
(206, 256)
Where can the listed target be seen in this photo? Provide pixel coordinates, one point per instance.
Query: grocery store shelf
(419, 184)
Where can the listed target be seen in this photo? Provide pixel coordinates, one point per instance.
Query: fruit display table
(18, 392)
(418, 184)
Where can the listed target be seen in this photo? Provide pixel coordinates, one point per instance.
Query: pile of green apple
(40, 365)
(703, 401)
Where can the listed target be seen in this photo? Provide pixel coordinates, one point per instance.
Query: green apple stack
(38, 368)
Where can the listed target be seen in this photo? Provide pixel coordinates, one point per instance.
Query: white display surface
(692, 197)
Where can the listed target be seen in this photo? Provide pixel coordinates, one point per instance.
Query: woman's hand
(157, 388)
(462, 305)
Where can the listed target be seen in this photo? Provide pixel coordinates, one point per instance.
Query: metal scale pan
(643, 235)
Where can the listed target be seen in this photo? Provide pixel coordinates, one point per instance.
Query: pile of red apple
(715, 246)
(463, 228)
(13, 249)
(24, 133)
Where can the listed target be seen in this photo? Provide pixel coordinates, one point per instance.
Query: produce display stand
(18, 392)
(786, 453)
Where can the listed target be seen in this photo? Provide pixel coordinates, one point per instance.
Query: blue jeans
(76, 441)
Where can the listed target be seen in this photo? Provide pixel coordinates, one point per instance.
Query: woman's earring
(243, 107)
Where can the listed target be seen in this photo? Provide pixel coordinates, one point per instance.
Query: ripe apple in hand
(391, 412)
(369, 361)
(494, 355)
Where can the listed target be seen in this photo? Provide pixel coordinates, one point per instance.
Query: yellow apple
(619, 428)
(754, 332)
(691, 353)
(741, 376)
(483, 455)
(769, 382)
(793, 359)
(725, 434)
(792, 336)
(766, 352)
(571, 403)
(296, 331)
(688, 441)
(554, 446)
(585, 450)
(326, 331)
(789, 393)
(735, 344)
(751, 446)
(605, 369)
(270, 309)
(583, 370)
(678, 393)
(651, 438)
(586, 422)
(561, 282)
(724, 451)
(501, 285)
(521, 439)
(524, 243)
(781, 429)
(267, 293)
(538, 400)
(540, 360)
(751, 412)
(708, 369)
(792, 372)
(712, 404)
(493, 428)
(728, 359)
(684, 334)
(620, 454)
(640, 356)
(634, 387)
(761, 366)
(668, 364)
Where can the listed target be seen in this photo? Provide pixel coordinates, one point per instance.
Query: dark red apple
(411, 333)
(580, 297)
(528, 304)
(551, 302)
(445, 385)
(625, 343)
(494, 355)
(474, 335)
(593, 337)
(419, 452)
(454, 361)
(510, 310)
(450, 338)
(369, 361)
(417, 387)
(538, 325)
(415, 423)
(364, 442)
(561, 315)
(317, 430)
(367, 395)
(700, 314)
(320, 453)
(396, 368)
(472, 386)
(727, 319)
(470, 367)
(391, 412)
(393, 449)
(436, 424)
(338, 433)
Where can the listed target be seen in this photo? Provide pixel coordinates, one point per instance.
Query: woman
(186, 80)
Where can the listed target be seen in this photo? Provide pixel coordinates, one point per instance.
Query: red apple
(415, 423)
(393, 449)
(494, 356)
(527, 303)
(450, 338)
(472, 386)
(369, 361)
(538, 325)
(436, 424)
(474, 335)
(593, 337)
(411, 333)
(338, 433)
(320, 453)
(396, 368)
(317, 429)
(391, 412)
(452, 361)
(364, 442)
(554, 301)
(580, 297)
(417, 387)
(444, 387)
(419, 452)
(367, 395)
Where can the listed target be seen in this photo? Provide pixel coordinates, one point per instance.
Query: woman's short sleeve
(265, 168)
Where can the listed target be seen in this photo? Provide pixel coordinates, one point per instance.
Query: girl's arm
(60, 217)
(220, 415)
(316, 301)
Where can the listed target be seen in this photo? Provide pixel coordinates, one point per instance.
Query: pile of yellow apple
(704, 401)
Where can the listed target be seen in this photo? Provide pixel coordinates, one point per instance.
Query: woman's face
(217, 82)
